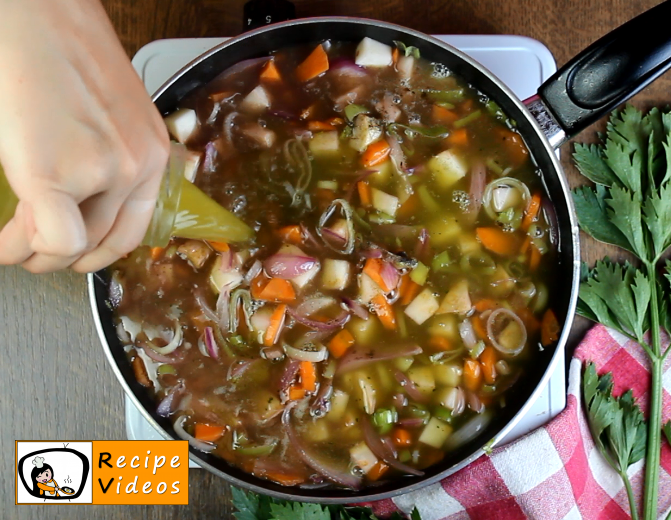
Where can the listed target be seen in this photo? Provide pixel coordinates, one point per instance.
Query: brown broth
(248, 169)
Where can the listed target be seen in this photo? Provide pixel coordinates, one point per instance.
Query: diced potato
(422, 376)
(501, 284)
(300, 281)
(267, 404)
(447, 168)
(384, 202)
(191, 163)
(422, 307)
(457, 299)
(362, 457)
(444, 231)
(339, 401)
(335, 275)
(403, 363)
(435, 433)
(367, 394)
(405, 66)
(511, 336)
(324, 143)
(366, 130)
(256, 101)
(327, 185)
(318, 431)
(339, 227)
(364, 331)
(220, 279)
(444, 325)
(382, 173)
(447, 374)
(368, 289)
(181, 124)
(372, 53)
(469, 245)
(260, 321)
(263, 137)
(195, 252)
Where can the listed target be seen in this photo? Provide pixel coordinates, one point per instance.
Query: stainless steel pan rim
(570, 227)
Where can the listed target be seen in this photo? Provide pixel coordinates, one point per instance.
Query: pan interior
(260, 43)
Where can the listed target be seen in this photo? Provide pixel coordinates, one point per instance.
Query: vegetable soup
(397, 287)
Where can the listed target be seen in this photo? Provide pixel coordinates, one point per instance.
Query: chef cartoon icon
(42, 476)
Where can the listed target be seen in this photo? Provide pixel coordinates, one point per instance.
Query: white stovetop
(522, 63)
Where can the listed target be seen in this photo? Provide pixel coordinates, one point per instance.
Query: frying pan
(590, 85)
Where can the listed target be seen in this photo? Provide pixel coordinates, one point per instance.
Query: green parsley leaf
(626, 148)
(667, 431)
(415, 515)
(590, 161)
(657, 216)
(625, 214)
(298, 511)
(250, 506)
(592, 210)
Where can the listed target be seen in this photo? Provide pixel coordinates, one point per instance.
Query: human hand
(82, 146)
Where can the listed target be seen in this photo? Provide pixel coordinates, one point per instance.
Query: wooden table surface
(54, 379)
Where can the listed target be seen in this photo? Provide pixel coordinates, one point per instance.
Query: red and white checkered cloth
(555, 472)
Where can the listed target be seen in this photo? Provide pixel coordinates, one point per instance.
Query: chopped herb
(407, 50)
(351, 111)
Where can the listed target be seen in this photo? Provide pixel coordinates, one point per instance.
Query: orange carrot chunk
(278, 290)
(364, 193)
(340, 343)
(517, 151)
(549, 328)
(373, 268)
(532, 211)
(443, 115)
(208, 432)
(472, 375)
(320, 126)
(258, 285)
(315, 64)
(377, 471)
(440, 343)
(488, 360)
(534, 259)
(408, 290)
(276, 324)
(296, 392)
(222, 247)
(384, 312)
(457, 138)
(270, 72)
(286, 479)
(401, 437)
(291, 234)
(156, 253)
(498, 241)
(479, 327)
(308, 374)
(486, 304)
(376, 153)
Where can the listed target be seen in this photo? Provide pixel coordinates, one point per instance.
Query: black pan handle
(610, 71)
(258, 13)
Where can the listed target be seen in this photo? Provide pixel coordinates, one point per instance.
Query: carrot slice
(286, 479)
(384, 312)
(157, 253)
(479, 327)
(270, 72)
(222, 247)
(408, 208)
(549, 328)
(278, 290)
(308, 374)
(440, 343)
(340, 343)
(486, 304)
(525, 245)
(488, 360)
(472, 375)
(458, 138)
(498, 241)
(315, 64)
(517, 151)
(395, 55)
(276, 324)
(208, 432)
(408, 290)
(530, 321)
(376, 153)
(401, 437)
(377, 471)
(532, 211)
(258, 285)
(320, 126)
(291, 234)
(373, 268)
(364, 193)
(308, 112)
(296, 392)
(443, 115)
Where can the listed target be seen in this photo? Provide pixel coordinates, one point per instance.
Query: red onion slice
(207, 310)
(410, 388)
(254, 271)
(477, 187)
(337, 475)
(315, 304)
(390, 276)
(211, 343)
(491, 321)
(467, 333)
(359, 356)
(382, 451)
(210, 157)
(155, 356)
(320, 325)
(169, 402)
(178, 426)
(287, 267)
(423, 248)
(175, 342)
(314, 354)
(288, 375)
(411, 422)
(346, 66)
(356, 308)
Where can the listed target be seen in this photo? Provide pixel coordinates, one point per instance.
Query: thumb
(59, 228)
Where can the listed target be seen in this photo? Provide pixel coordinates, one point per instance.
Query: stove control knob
(258, 13)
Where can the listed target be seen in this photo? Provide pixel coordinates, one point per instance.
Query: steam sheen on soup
(397, 287)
